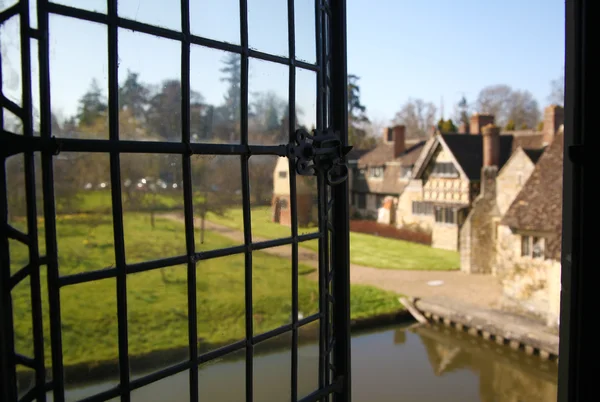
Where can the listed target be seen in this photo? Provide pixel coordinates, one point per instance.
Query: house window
(532, 246)
(379, 200)
(390, 135)
(405, 172)
(376, 172)
(445, 215)
(422, 208)
(362, 200)
(444, 169)
(359, 173)
(525, 245)
(538, 247)
(282, 174)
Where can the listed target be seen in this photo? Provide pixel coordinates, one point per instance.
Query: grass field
(157, 300)
(368, 250)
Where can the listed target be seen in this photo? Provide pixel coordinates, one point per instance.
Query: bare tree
(523, 109)
(374, 128)
(507, 104)
(557, 91)
(494, 100)
(418, 116)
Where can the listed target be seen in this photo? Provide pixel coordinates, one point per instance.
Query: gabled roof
(355, 154)
(384, 152)
(538, 207)
(527, 140)
(468, 151)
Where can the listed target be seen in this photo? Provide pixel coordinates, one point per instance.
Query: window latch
(320, 152)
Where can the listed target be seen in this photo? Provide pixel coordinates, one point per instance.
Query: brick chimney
(463, 128)
(491, 145)
(478, 121)
(388, 135)
(554, 117)
(399, 141)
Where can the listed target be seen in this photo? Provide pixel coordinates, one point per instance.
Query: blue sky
(433, 50)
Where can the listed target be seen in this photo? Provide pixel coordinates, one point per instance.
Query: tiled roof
(538, 207)
(384, 152)
(355, 154)
(389, 184)
(382, 155)
(529, 140)
(468, 151)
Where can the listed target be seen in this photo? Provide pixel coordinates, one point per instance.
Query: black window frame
(334, 282)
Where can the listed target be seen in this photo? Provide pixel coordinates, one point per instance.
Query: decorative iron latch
(320, 152)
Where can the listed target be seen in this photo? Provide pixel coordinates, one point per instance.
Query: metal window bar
(333, 315)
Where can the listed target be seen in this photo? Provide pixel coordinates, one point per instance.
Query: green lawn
(157, 300)
(95, 201)
(368, 250)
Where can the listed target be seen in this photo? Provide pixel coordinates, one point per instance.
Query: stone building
(447, 178)
(306, 193)
(380, 175)
(498, 190)
(528, 247)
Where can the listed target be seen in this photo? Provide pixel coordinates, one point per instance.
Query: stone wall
(445, 236)
(530, 285)
(477, 234)
(511, 179)
(404, 216)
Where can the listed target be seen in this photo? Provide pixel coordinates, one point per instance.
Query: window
(405, 172)
(390, 135)
(379, 200)
(525, 245)
(445, 215)
(359, 173)
(444, 169)
(538, 247)
(282, 174)
(222, 155)
(362, 200)
(422, 208)
(532, 246)
(376, 172)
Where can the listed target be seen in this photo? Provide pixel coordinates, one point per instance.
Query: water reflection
(418, 363)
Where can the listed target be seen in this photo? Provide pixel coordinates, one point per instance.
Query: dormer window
(376, 172)
(444, 169)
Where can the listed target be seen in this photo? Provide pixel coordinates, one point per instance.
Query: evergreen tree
(91, 105)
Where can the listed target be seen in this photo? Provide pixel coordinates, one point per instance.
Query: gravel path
(480, 290)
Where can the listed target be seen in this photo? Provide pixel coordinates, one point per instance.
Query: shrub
(390, 231)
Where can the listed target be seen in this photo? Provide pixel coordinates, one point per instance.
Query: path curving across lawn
(366, 250)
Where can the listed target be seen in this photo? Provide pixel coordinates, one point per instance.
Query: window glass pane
(78, 85)
(150, 92)
(268, 103)
(268, 26)
(304, 15)
(10, 48)
(206, 19)
(91, 5)
(156, 12)
(215, 78)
